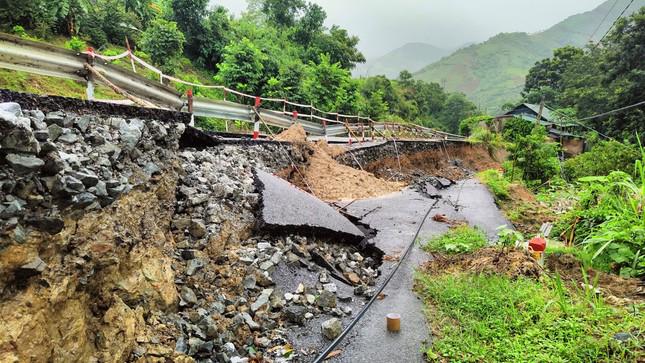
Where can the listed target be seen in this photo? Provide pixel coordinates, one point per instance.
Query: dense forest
(277, 48)
(604, 76)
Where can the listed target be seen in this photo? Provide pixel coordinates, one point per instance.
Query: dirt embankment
(85, 251)
(449, 161)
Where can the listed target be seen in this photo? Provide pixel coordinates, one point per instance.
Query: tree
(325, 84)
(544, 79)
(189, 15)
(376, 106)
(624, 72)
(535, 156)
(282, 13)
(242, 67)
(339, 45)
(216, 36)
(515, 128)
(310, 25)
(456, 108)
(164, 43)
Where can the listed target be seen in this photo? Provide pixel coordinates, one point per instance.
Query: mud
(510, 263)
(616, 290)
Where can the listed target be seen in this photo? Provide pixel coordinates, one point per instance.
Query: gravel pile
(232, 308)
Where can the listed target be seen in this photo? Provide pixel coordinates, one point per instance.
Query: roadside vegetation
(277, 49)
(495, 304)
(491, 318)
(460, 239)
(585, 302)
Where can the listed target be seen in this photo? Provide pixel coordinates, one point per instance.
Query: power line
(613, 111)
(603, 20)
(577, 121)
(614, 23)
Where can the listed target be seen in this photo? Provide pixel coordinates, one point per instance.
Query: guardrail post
(189, 95)
(362, 133)
(256, 130)
(256, 125)
(89, 90)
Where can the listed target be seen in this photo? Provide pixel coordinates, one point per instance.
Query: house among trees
(558, 128)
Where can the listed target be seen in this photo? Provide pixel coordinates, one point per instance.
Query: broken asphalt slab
(286, 209)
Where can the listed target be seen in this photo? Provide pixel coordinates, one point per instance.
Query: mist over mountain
(411, 57)
(493, 72)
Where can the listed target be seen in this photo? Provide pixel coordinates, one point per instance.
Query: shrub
(536, 156)
(76, 44)
(516, 127)
(468, 125)
(496, 183)
(460, 239)
(19, 30)
(164, 43)
(604, 157)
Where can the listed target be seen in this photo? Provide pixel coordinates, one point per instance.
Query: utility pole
(539, 116)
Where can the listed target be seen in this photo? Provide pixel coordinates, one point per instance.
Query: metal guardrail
(45, 59)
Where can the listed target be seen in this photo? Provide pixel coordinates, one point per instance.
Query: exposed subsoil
(617, 290)
(326, 178)
(491, 260)
(435, 162)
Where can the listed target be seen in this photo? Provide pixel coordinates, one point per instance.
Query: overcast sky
(383, 25)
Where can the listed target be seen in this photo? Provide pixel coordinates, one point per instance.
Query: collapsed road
(128, 236)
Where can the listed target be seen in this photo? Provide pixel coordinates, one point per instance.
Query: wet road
(397, 218)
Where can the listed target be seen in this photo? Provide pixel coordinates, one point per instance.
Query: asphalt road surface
(397, 218)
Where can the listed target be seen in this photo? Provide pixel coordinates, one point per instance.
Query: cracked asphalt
(397, 218)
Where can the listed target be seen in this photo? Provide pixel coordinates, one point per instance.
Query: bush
(19, 30)
(516, 127)
(604, 157)
(460, 239)
(496, 183)
(491, 140)
(164, 43)
(76, 44)
(468, 125)
(536, 156)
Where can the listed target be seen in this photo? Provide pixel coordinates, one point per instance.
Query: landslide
(328, 179)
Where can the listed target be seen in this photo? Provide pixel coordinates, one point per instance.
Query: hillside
(492, 72)
(411, 57)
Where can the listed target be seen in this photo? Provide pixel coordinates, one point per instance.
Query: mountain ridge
(492, 72)
(411, 56)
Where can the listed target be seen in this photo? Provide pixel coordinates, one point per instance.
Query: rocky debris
(286, 208)
(35, 267)
(430, 185)
(64, 161)
(331, 328)
(24, 164)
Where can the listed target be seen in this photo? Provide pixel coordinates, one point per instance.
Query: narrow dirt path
(397, 217)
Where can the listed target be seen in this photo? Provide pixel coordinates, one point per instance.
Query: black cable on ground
(351, 325)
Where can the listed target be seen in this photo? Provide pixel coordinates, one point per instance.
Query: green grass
(489, 318)
(575, 251)
(44, 85)
(460, 239)
(495, 181)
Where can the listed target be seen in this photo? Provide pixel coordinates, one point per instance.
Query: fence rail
(40, 58)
